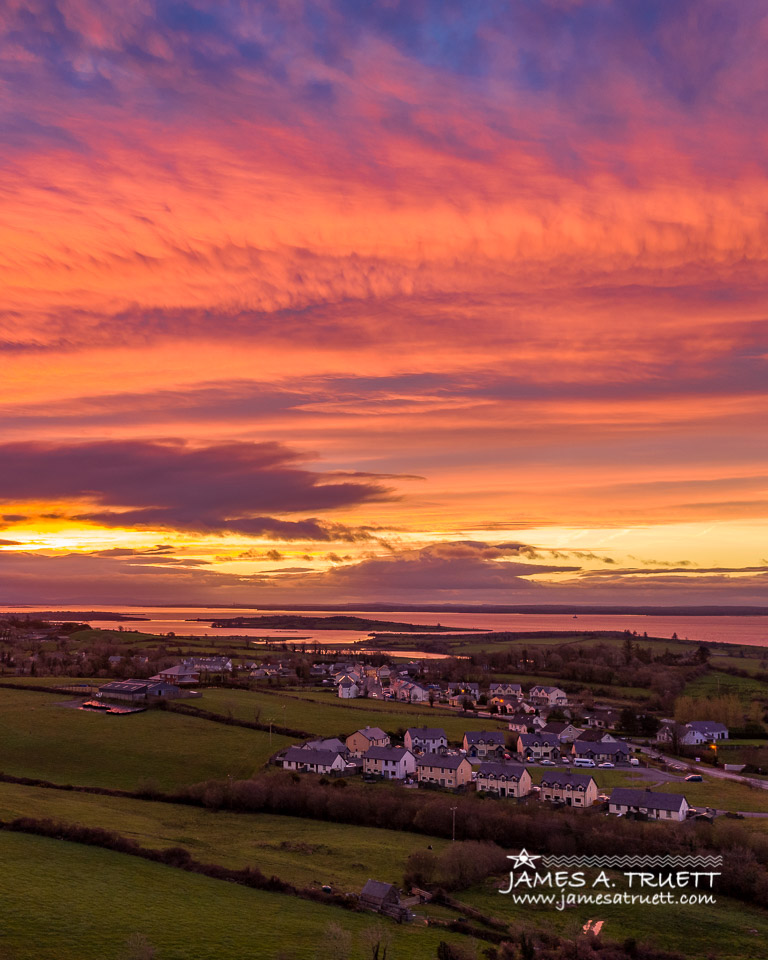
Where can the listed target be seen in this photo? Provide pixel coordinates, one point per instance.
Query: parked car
(694, 778)
(607, 764)
(634, 761)
(547, 763)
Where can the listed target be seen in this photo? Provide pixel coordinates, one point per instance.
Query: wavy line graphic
(635, 861)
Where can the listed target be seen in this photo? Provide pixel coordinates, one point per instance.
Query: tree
(137, 947)
(376, 941)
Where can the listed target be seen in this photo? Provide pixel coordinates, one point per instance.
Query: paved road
(704, 768)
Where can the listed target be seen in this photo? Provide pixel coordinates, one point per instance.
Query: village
(543, 729)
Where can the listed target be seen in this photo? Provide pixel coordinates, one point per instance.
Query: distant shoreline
(26, 610)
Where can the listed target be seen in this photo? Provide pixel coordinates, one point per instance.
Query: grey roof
(303, 755)
(502, 683)
(707, 726)
(180, 670)
(538, 686)
(592, 736)
(385, 753)
(561, 778)
(555, 726)
(376, 889)
(501, 770)
(486, 736)
(427, 733)
(531, 739)
(373, 733)
(451, 762)
(632, 797)
(331, 743)
(127, 686)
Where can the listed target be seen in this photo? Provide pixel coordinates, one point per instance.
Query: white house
(656, 806)
(709, 729)
(562, 729)
(348, 689)
(548, 696)
(503, 689)
(392, 763)
(313, 761)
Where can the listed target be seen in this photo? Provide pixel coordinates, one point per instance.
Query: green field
(718, 684)
(323, 713)
(303, 851)
(720, 794)
(65, 901)
(719, 931)
(40, 739)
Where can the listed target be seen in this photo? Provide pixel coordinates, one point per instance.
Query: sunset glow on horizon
(433, 302)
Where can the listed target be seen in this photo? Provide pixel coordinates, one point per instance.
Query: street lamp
(453, 826)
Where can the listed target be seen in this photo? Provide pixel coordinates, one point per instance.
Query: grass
(41, 739)
(64, 901)
(748, 663)
(698, 932)
(714, 683)
(325, 714)
(720, 794)
(303, 851)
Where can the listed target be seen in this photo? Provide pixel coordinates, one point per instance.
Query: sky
(440, 301)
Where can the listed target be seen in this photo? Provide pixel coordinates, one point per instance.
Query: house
(182, 675)
(562, 729)
(485, 743)
(461, 701)
(504, 689)
(710, 730)
(392, 763)
(306, 760)
(470, 690)
(372, 688)
(210, 664)
(692, 734)
(504, 779)
(540, 746)
(331, 743)
(519, 723)
(603, 718)
(596, 736)
(137, 690)
(627, 801)
(572, 789)
(348, 689)
(601, 752)
(504, 703)
(413, 692)
(362, 740)
(445, 771)
(548, 696)
(426, 739)
(384, 898)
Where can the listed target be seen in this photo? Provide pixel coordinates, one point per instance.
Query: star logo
(523, 859)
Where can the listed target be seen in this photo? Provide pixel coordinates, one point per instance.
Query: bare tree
(137, 947)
